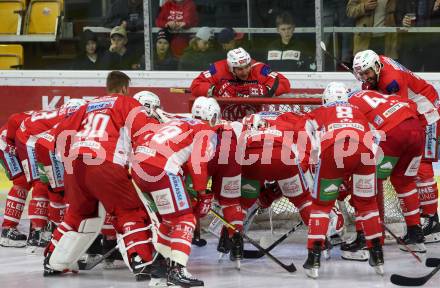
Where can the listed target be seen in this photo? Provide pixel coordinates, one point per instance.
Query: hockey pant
(174, 206)
(111, 185)
(289, 179)
(402, 156)
(329, 176)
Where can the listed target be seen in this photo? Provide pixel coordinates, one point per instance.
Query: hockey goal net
(282, 213)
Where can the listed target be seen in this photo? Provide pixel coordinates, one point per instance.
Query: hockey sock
(234, 214)
(318, 223)
(57, 208)
(304, 204)
(108, 229)
(427, 188)
(15, 203)
(372, 228)
(181, 234)
(409, 199)
(39, 205)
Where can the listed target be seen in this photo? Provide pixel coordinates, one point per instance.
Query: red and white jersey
(40, 122)
(396, 79)
(384, 112)
(13, 124)
(177, 143)
(325, 123)
(105, 128)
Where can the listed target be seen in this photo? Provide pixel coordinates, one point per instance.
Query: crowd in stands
(173, 48)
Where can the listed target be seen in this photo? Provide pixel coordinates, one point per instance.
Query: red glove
(252, 90)
(203, 204)
(270, 193)
(226, 90)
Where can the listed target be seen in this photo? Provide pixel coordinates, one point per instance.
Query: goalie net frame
(282, 214)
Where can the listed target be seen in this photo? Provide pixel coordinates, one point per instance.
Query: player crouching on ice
(340, 139)
(96, 171)
(160, 159)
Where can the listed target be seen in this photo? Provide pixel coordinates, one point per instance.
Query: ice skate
(140, 269)
(158, 272)
(236, 253)
(37, 241)
(431, 229)
(224, 243)
(48, 270)
(376, 257)
(11, 237)
(313, 262)
(355, 250)
(414, 240)
(178, 276)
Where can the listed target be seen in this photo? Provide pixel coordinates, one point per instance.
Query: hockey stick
(401, 243)
(338, 61)
(432, 262)
(197, 240)
(290, 268)
(415, 281)
(255, 254)
(91, 265)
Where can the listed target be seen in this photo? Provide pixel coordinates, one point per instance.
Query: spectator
(374, 13)
(128, 13)
(177, 15)
(239, 76)
(420, 13)
(118, 56)
(285, 53)
(90, 56)
(163, 59)
(228, 39)
(199, 52)
(334, 15)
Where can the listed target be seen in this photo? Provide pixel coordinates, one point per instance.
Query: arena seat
(42, 17)
(11, 56)
(11, 12)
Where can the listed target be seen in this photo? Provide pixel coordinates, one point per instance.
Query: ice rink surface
(19, 270)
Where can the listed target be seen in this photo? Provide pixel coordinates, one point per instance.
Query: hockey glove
(203, 204)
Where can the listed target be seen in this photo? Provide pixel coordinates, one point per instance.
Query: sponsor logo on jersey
(163, 201)
(146, 150)
(179, 192)
(393, 109)
(335, 126)
(93, 106)
(378, 120)
(231, 187)
(364, 185)
(387, 165)
(430, 141)
(249, 187)
(87, 144)
(331, 188)
(413, 166)
(13, 164)
(291, 187)
(46, 136)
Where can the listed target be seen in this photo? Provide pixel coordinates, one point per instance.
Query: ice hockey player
(161, 158)
(17, 195)
(337, 132)
(393, 117)
(390, 77)
(239, 76)
(45, 208)
(96, 171)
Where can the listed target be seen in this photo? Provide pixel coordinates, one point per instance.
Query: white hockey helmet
(238, 58)
(365, 60)
(206, 109)
(335, 91)
(72, 105)
(148, 99)
(254, 122)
